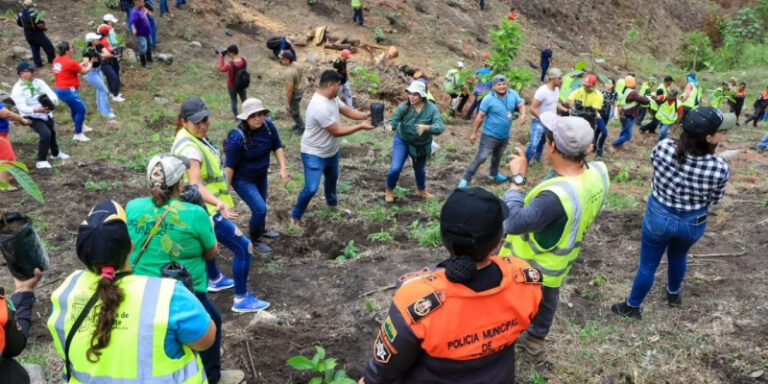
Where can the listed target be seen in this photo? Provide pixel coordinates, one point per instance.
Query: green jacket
(405, 119)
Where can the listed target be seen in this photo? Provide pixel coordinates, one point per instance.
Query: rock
(196, 44)
(36, 375)
(113, 125)
(756, 374)
(165, 58)
(130, 55)
(20, 52)
(5, 97)
(263, 318)
(161, 100)
(730, 153)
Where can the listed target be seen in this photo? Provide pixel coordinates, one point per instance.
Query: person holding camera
(586, 103)
(35, 101)
(233, 66)
(97, 53)
(15, 322)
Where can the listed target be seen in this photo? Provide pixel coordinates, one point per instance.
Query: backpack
(241, 79)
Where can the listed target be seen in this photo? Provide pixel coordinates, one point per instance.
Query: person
(320, 141)
(482, 88)
(97, 53)
(496, 115)
(454, 87)
(512, 15)
(357, 7)
(645, 90)
(739, 96)
(546, 226)
(586, 102)
(665, 85)
(109, 40)
(687, 179)
(723, 92)
(247, 149)
(6, 149)
(205, 172)
(670, 114)
(609, 101)
(26, 94)
(415, 122)
(107, 29)
(762, 144)
(630, 106)
(546, 99)
(236, 63)
(653, 106)
(187, 227)
(66, 83)
(546, 60)
(110, 324)
(692, 94)
(340, 66)
(127, 7)
(760, 106)
(434, 332)
(294, 89)
(279, 44)
(163, 5)
(34, 32)
(142, 30)
(15, 323)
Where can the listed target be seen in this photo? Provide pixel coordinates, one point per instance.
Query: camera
(222, 52)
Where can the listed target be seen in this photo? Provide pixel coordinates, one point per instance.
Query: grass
(427, 234)
(620, 201)
(381, 237)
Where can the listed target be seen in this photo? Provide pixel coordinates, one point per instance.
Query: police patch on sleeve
(423, 307)
(532, 275)
(382, 352)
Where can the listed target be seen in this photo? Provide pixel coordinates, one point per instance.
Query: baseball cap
(460, 64)
(668, 78)
(251, 106)
(554, 73)
(589, 80)
(472, 221)
(652, 79)
(110, 17)
(573, 135)
(24, 66)
(346, 53)
(165, 170)
(90, 36)
(194, 109)
(288, 55)
(417, 87)
(707, 121)
(499, 79)
(102, 238)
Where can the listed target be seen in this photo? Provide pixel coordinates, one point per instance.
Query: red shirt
(65, 71)
(226, 66)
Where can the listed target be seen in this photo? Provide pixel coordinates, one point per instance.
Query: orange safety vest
(454, 322)
(3, 319)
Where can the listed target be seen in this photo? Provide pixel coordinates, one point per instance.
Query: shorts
(6, 150)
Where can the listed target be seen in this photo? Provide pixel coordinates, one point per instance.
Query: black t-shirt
(341, 67)
(94, 53)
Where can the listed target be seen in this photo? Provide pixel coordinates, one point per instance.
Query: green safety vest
(619, 88)
(136, 352)
(355, 3)
(693, 100)
(210, 168)
(452, 81)
(622, 101)
(645, 90)
(582, 197)
(667, 113)
(565, 88)
(653, 104)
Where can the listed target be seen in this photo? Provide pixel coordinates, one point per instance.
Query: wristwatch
(517, 179)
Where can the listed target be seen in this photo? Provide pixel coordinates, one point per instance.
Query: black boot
(674, 299)
(622, 309)
(258, 245)
(149, 55)
(143, 59)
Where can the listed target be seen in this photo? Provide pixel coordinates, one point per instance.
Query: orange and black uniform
(15, 320)
(439, 331)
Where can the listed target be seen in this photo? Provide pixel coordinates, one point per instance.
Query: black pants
(113, 81)
(39, 40)
(45, 129)
(211, 357)
(756, 117)
(651, 126)
(13, 372)
(233, 98)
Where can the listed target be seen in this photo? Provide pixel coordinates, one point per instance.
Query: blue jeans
(163, 7)
(227, 234)
(254, 193)
(482, 4)
(142, 42)
(663, 131)
(602, 134)
(180, 2)
(76, 106)
(626, 131)
(670, 230)
(94, 78)
(346, 93)
(358, 16)
(763, 143)
(153, 35)
(314, 168)
(488, 146)
(536, 142)
(399, 154)
(211, 357)
(471, 110)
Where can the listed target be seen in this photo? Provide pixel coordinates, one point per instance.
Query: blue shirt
(187, 321)
(249, 156)
(497, 121)
(3, 122)
(546, 56)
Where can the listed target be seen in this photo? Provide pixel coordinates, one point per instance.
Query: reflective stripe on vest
(667, 114)
(210, 168)
(623, 99)
(692, 101)
(136, 350)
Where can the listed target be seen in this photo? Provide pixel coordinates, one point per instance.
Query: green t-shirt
(186, 232)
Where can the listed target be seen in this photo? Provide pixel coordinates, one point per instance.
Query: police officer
(546, 226)
(100, 341)
(34, 32)
(15, 321)
(458, 323)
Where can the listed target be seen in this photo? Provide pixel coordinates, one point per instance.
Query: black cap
(668, 78)
(472, 222)
(194, 109)
(24, 66)
(707, 121)
(288, 55)
(102, 238)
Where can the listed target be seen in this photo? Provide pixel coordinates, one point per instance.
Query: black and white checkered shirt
(697, 183)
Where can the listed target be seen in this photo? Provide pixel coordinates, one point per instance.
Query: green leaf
(301, 363)
(320, 352)
(166, 243)
(340, 374)
(580, 65)
(154, 231)
(174, 219)
(603, 78)
(19, 164)
(4, 185)
(142, 220)
(343, 380)
(316, 380)
(26, 183)
(330, 364)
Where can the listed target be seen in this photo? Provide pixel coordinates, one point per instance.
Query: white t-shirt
(547, 98)
(322, 112)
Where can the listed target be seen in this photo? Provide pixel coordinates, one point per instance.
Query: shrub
(696, 49)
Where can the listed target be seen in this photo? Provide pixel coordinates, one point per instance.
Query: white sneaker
(60, 156)
(87, 128)
(81, 137)
(119, 98)
(42, 165)
(111, 116)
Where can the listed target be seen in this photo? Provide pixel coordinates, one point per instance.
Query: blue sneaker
(249, 304)
(221, 284)
(499, 177)
(463, 184)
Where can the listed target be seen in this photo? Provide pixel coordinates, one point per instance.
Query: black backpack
(242, 78)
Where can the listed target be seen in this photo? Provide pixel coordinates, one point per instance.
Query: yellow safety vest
(582, 197)
(210, 168)
(136, 350)
(619, 88)
(623, 99)
(693, 99)
(667, 113)
(356, 3)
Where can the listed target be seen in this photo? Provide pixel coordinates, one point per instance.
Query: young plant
(363, 77)
(19, 172)
(319, 364)
(381, 237)
(349, 252)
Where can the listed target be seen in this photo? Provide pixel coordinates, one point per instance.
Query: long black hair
(692, 145)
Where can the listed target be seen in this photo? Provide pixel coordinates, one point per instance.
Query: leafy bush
(349, 252)
(364, 78)
(697, 48)
(427, 235)
(507, 40)
(319, 364)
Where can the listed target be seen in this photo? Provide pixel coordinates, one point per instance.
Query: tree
(507, 40)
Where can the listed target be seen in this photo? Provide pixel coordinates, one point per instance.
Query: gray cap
(573, 135)
(166, 170)
(554, 73)
(194, 109)
(499, 79)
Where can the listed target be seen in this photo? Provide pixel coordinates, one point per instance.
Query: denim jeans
(45, 130)
(227, 234)
(663, 131)
(626, 132)
(763, 143)
(536, 141)
(254, 193)
(670, 230)
(110, 70)
(488, 146)
(482, 4)
(601, 134)
(346, 93)
(471, 110)
(94, 78)
(541, 323)
(211, 357)
(142, 42)
(179, 3)
(358, 16)
(163, 7)
(39, 40)
(76, 106)
(233, 98)
(314, 168)
(399, 154)
(153, 35)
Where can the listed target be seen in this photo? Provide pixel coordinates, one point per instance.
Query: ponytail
(179, 124)
(111, 296)
(62, 48)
